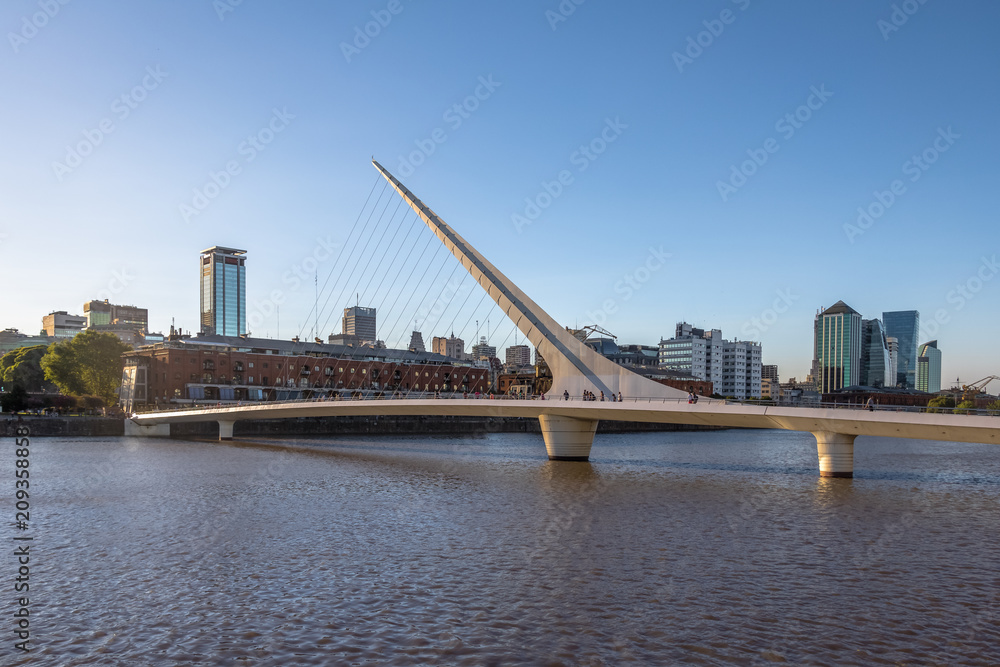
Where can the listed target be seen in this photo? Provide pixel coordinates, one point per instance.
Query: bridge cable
(351, 252)
(344, 246)
(361, 274)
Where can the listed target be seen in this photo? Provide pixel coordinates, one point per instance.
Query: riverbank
(378, 425)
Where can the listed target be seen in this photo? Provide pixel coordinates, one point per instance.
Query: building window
(251, 365)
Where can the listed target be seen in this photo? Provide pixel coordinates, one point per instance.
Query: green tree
(994, 407)
(22, 367)
(89, 363)
(937, 404)
(965, 407)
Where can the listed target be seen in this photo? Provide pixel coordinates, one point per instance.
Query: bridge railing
(633, 400)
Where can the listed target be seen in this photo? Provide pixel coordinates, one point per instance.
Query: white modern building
(893, 345)
(733, 367)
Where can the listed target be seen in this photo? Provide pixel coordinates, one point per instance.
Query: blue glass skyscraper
(876, 364)
(904, 326)
(223, 291)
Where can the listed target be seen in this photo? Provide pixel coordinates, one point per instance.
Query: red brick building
(231, 368)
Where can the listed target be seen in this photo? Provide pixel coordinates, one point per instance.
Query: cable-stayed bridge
(568, 422)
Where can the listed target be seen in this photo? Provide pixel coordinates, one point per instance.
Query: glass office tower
(838, 347)
(929, 368)
(223, 291)
(876, 364)
(904, 326)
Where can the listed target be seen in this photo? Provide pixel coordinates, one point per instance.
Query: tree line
(87, 365)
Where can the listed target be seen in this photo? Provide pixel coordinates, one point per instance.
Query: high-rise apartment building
(483, 350)
(838, 347)
(928, 376)
(893, 345)
(223, 291)
(904, 326)
(359, 321)
(769, 372)
(518, 355)
(876, 364)
(733, 367)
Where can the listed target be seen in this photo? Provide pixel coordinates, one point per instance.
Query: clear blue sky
(202, 79)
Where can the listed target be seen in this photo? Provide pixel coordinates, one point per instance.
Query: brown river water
(707, 548)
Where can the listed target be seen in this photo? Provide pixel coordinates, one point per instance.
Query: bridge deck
(950, 427)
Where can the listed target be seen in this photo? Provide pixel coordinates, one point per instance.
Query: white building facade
(733, 367)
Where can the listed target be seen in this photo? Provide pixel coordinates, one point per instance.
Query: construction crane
(970, 391)
(585, 333)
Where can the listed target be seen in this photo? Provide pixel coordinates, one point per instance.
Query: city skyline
(269, 154)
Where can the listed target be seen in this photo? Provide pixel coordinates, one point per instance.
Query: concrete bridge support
(836, 454)
(226, 430)
(154, 431)
(566, 438)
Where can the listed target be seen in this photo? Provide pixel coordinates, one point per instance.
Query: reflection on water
(708, 548)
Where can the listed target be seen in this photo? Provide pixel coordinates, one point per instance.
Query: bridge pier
(567, 438)
(836, 454)
(153, 431)
(226, 430)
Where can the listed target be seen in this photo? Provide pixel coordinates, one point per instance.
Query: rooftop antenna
(316, 305)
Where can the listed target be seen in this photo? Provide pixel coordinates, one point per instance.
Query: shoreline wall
(380, 425)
